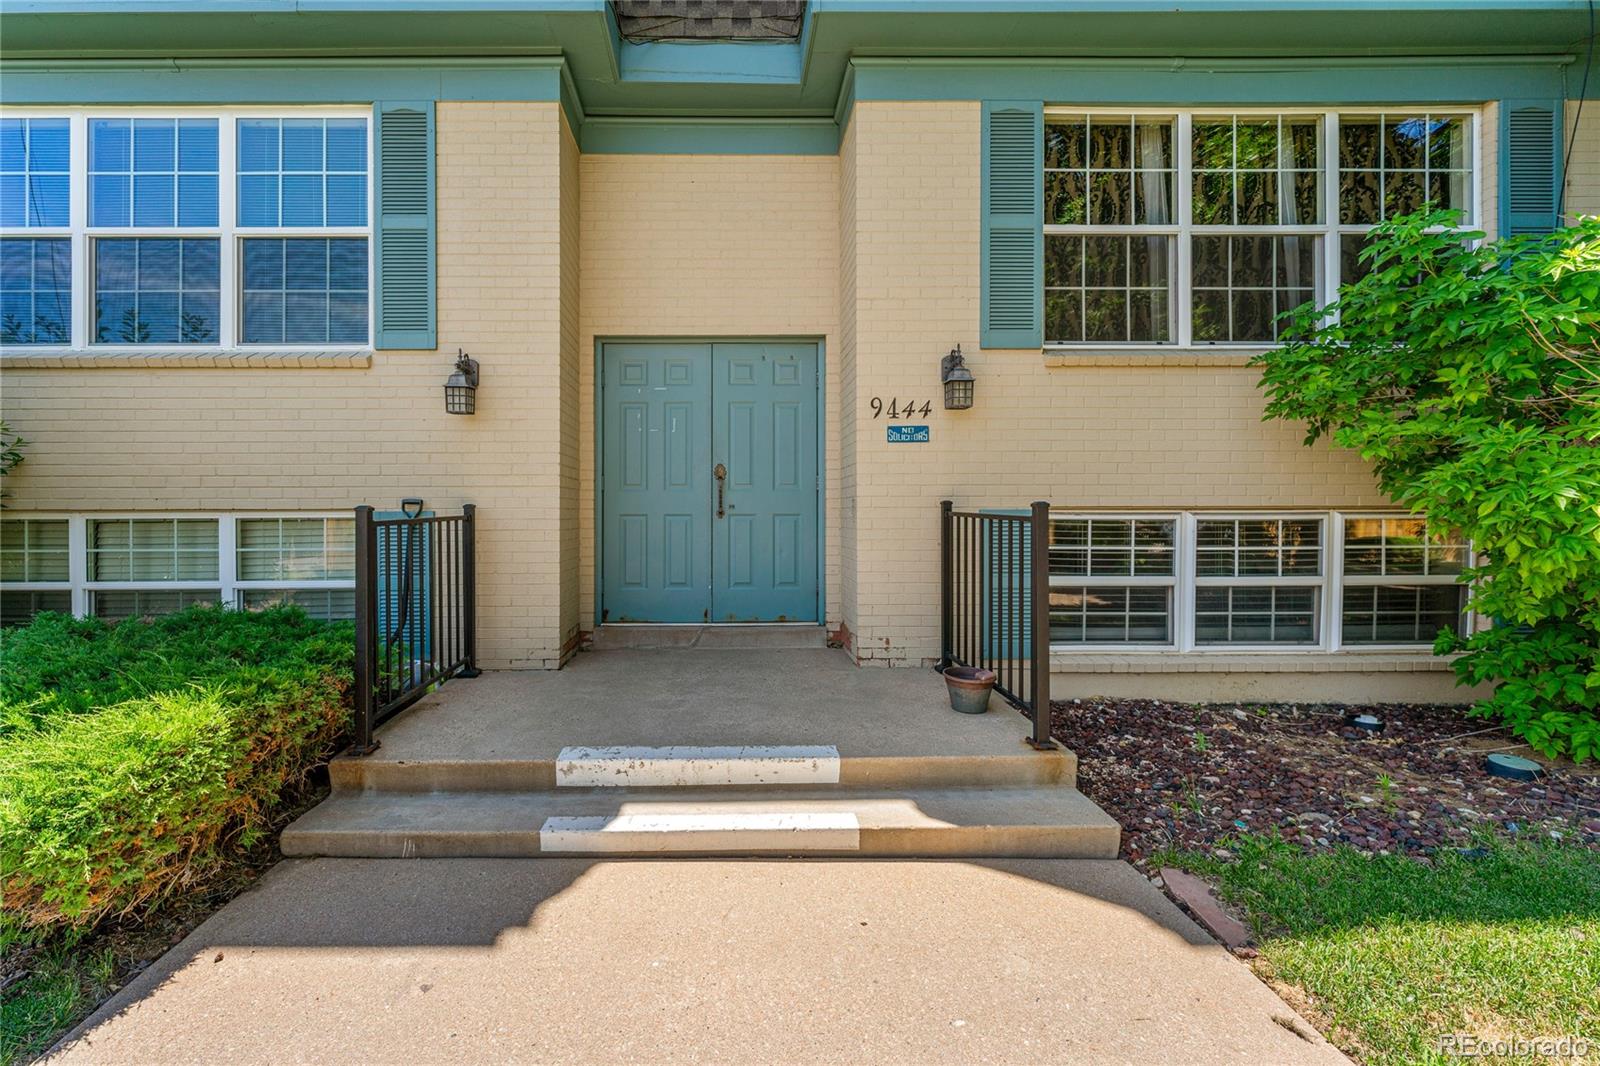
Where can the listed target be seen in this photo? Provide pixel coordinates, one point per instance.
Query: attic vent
(709, 20)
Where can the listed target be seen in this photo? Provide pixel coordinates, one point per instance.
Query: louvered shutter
(405, 272)
(1013, 225)
(1530, 168)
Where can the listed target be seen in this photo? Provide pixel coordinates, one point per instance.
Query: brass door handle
(720, 472)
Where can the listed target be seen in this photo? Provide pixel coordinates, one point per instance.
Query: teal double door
(709, 488)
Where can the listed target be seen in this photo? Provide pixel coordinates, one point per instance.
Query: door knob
(720, 472)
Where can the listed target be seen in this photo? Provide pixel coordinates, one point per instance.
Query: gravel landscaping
(1188, 776)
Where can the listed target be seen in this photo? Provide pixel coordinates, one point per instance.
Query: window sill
(16, 359)
(1159, 355)
(1158, 661)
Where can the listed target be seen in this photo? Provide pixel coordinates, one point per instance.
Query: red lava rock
(1295, 767)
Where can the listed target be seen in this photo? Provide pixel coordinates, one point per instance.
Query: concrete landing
(1051, 822)
(339, 962)
(697, 697)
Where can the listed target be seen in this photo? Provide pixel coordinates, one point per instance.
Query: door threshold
(770, 635)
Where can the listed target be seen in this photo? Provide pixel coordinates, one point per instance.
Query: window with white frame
(1201, 228)
(1231, 582)
(190, 227)
(1111, 580)
(116, 567)
(1401, 581)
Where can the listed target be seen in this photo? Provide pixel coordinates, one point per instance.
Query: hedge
(135, 758)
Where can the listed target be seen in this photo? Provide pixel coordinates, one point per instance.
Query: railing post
(946, 606)
(469, 591)
(366, 630)
(1039, 605)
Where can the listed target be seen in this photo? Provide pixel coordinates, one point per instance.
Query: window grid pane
(35, 291)
(1109, 547)
(305, 291)
(35, 172)
(1391, 164)
(116, 605)
(157, 290)
(1255, 614)
(1394, 546)
(18, 606)
(1258, 547)
(153, 172)
(290, 549)
(153, 549)
(1111, 615)
(1400, 614)
(1256, 170)
(302, 172)
(34, 549)
(1242, 284)
(1107, 288)
(323, 604)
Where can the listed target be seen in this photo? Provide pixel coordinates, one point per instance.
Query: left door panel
(656, 492)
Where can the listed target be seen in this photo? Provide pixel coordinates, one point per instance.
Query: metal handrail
(994, 603)
(416, 612)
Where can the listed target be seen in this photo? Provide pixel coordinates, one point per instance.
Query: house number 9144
(895, 410)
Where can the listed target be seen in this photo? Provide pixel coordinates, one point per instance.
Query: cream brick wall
(291, 439)
(1097, 433)
(846, 509)
(703, 246)
(1583, 169)
(573, 400)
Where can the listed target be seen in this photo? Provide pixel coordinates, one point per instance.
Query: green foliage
(11, 445)
(135, 756)
(1393, 953)
(1470, 378)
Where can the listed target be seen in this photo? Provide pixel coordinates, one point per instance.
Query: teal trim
(404, 194)
(298, 81)
(765, 62)
(1531, 133)
(732, 136)
(1012, 273)
(1188, 82)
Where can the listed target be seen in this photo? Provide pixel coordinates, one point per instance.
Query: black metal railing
(994, 585)
(416, 612)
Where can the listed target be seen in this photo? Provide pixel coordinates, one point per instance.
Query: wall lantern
(460, 388)
(957, 381)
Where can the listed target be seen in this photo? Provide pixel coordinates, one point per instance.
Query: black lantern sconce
(957, 381)
(461, 387)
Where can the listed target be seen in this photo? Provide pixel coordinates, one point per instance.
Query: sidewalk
(553, 960)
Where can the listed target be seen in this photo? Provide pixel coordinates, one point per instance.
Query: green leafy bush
(134, 756)
(1469, 376)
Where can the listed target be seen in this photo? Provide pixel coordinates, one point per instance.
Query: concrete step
(617, 637)
(1049, 822)
(788, 766)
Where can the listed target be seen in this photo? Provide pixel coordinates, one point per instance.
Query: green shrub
(1469, 376)
(135, 756)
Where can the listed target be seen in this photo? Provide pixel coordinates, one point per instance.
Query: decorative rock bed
(1190, 776)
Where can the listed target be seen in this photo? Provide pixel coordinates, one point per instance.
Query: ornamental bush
(1468, 374)
(135, 758)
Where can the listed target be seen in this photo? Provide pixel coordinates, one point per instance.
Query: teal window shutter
(1013, 224)
(1530, 166)
(1005, 606)
(405, 233)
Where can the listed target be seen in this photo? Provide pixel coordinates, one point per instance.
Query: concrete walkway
(558, 961)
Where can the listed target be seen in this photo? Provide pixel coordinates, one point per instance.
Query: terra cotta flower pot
(969, 688)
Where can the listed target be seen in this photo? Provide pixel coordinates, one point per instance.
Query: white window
(186, 228)
(1401, 581)
(1252, 582)
(1201, 228)
(1112, 579)
(122, 566)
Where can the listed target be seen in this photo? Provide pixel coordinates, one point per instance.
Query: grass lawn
(1388, 953)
